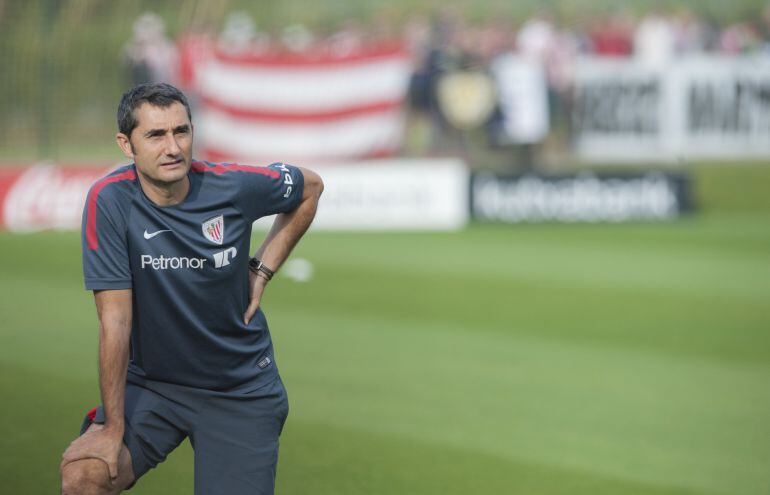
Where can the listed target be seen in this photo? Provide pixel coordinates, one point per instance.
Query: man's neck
(164, 194)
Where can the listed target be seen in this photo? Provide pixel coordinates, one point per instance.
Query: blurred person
(689, 32)
(194, 48)
(240, 34)
(560, 71)
(383, 28)
(184, 349)
(149, 54)
(655, 40)
(522, 118)
(537, 36)
(495, 39)
(297, 38)
(612, 35)
(739, 37)
(347, 40)
(418, 37)
(552, 51)
(764, 28)
(438, 57)
(711, 33)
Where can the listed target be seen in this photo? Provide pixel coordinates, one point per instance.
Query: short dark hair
(157, 94)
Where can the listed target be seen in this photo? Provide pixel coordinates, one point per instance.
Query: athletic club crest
(214, 229)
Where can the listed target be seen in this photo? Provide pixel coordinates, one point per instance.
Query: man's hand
(257, 285)
(283, 236)
(97, 442)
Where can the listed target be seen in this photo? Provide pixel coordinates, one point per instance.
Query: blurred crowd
(448, 43)
(655, 37)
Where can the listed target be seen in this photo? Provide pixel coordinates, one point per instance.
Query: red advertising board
(44, 196)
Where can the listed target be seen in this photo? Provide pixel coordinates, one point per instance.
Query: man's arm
(286, 231)
(114, 310)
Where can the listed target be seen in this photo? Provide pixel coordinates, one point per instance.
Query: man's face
(161, 143)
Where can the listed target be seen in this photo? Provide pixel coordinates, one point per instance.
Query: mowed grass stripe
(48, 322)
(574, 259)
(631, 415)
(336, 460)
(692, 323)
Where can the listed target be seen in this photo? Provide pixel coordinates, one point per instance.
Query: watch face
(255, 264)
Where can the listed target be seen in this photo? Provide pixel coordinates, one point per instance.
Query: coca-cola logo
(48, 197)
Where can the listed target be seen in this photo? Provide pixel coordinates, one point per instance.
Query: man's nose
(172, 147)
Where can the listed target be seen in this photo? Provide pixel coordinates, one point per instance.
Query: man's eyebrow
(182, 128)
(155, 132)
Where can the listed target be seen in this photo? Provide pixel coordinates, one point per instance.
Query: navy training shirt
(188, 267)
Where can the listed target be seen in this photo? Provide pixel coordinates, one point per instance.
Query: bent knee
(85, 477)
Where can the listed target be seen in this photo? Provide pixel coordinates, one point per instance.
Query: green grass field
(535, 360)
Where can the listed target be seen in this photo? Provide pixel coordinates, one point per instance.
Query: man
(165, 251)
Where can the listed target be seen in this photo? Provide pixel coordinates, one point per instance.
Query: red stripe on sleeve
(222, 168)
(91, 237)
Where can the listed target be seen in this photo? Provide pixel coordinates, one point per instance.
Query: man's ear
(125, 145)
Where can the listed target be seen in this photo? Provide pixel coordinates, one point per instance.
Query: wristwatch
(256, 265)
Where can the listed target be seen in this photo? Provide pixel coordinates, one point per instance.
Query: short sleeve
(269, 190)
(105, 249)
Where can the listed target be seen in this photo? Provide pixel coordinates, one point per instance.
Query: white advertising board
(400, 194)
(699, 107)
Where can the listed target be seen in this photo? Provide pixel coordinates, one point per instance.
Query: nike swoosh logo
(150, 236)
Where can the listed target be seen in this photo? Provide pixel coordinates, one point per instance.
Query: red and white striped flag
(302, 108)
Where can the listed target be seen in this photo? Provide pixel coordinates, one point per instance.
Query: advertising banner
(376, 195)
(44, 196)
(618, 110)
(584, 197)
(700, 107)
(727, 107)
